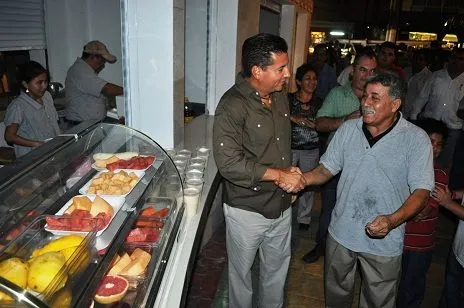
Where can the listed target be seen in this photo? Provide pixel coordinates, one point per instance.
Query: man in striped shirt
(419, 238)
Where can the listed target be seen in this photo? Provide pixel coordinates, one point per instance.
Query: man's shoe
(303, 226)
(313, 255)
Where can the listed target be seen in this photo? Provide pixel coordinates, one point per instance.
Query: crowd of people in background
(378, 134)
(433, 79)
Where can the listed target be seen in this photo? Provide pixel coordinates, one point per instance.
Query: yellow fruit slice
(43, 269)
(14, 270)
(59, 244)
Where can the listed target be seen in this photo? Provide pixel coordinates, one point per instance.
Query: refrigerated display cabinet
(41, 184)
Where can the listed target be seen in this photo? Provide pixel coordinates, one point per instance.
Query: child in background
(419, 238)
(453, 291)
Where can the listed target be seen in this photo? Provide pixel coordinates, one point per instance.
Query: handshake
(291, 180)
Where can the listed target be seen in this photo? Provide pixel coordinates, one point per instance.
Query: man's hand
(291, 180)
(380, 227)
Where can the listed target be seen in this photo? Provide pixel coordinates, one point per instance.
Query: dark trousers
(329, 198)
(453, 291)
(413, 278)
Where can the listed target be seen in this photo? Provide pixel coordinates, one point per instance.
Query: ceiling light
(337, 33)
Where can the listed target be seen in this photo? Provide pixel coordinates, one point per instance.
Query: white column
(152, 32)
(222, 40)
(196, 30)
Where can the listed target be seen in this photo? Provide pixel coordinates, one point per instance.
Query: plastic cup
(193, 174)
(180, 163)
(185, 152)
(197, 166)
(203, 152)
(191, 200)
(198, 159)
(181, 157)
(194, 183)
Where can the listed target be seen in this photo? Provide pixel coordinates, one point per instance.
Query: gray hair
(396, 85)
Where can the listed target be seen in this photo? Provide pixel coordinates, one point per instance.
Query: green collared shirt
(247, 140)
(340, 102)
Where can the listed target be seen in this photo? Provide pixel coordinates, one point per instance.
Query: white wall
(70, 24)
(222, 50)
(196, 13)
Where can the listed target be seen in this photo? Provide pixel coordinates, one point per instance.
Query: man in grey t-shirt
(86, 93)
(386, 166)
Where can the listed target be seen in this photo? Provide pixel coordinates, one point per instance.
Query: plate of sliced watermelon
(84, 213)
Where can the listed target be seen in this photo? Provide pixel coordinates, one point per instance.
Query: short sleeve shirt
(340, 102)
(83, 93)
(35, 121)
(376, 181)
(458, 244)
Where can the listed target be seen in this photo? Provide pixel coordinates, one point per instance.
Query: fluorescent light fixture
(337, 33)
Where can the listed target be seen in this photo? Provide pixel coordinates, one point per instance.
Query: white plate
(104, 169)
(85, 188)
(98, 168)
(115, 202)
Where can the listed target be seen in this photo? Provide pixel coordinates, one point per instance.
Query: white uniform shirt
(415, 84)
(441, 97)
(83, 93)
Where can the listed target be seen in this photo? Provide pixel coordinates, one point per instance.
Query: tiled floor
(305, 288)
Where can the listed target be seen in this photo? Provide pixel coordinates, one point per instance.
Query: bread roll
(101, 156)
(126, 155)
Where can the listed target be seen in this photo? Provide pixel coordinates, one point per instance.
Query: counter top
(199, 133)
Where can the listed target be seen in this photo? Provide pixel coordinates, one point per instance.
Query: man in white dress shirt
(440, 99)
(420, 73)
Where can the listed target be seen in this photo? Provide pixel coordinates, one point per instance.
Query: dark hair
(432, 126)
(396, 85)
(302, 70)
(258, 49)
(367, 52)
(30, 70)
(389, 45)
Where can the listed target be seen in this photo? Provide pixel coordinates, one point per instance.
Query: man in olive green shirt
(341, 104)
(251, 143)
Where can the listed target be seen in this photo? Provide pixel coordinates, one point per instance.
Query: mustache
(367, 110)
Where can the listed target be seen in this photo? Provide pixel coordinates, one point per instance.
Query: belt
(72, 122)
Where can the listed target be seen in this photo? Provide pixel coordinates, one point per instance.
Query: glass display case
(108, 184)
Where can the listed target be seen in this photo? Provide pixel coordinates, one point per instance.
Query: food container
(155, 212)
(133, 269)
(145, 235)
(62, 258)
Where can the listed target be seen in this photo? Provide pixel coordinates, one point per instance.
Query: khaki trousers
(380, 277)
(246, 234)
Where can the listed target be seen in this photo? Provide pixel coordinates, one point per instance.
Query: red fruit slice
(111, 289)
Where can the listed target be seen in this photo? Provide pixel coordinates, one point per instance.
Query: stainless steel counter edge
(185, 249)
